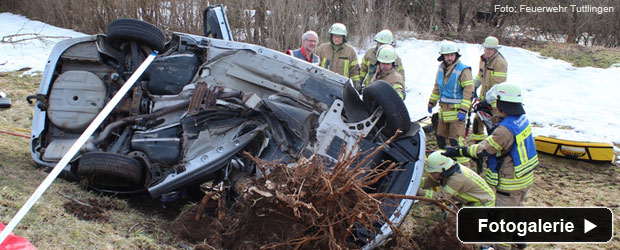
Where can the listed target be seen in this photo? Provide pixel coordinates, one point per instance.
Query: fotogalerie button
(534, 224)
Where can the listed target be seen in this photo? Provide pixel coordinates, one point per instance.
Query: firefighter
(369, 61)
(339, 57)
(309, 41)
(386, 56)
(493, 68)
(453, 90)
(510, 151)
(456, 182)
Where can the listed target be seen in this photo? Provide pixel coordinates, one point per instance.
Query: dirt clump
(443, 236)
(309, 206)
(85, 211)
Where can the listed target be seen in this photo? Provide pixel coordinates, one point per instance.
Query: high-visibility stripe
(473, 150)
(466, 103)
(477, 137)
(346, 68)
(467, 83)
(449, 115)
(434, 97)
(462, 159)
(323, 62)
(428, 193)
(355, 78)
(493, 144)
(478, 181)
(498, 74)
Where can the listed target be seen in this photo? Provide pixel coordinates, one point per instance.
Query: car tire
(395, 115)
(122, 30)
(111, 171)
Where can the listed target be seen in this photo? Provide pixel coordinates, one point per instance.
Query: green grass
(580, 56)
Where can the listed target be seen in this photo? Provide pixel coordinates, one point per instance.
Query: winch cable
(76, 146)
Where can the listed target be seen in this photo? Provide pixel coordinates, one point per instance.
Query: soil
(443, 236)
(86, 211)
(306, 207)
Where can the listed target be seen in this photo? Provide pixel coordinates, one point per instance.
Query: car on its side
(204, 101)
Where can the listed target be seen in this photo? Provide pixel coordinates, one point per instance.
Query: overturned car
(203, 102)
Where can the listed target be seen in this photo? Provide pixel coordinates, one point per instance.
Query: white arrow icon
(587, 226)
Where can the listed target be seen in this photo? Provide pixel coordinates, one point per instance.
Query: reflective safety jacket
(492, 71)
(463, 185)
(339, 59)
(512, 154)
(301, 54)
(394, 78)
(369, 66)
(453, 89)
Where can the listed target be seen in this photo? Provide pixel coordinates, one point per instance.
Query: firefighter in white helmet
(369, 61)
(453, 91)
(456, 182)
(492, 71)
(386, 71)
(510, 151)
(338, 56)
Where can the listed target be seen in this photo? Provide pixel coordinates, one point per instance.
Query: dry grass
(558, 182)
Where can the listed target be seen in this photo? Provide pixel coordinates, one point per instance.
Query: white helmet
(491, 42)
(386, 54)
(338, 29)
(448, 47)
(436, 162)
(384, 37)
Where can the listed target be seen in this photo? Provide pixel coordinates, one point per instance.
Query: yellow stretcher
(589, 151)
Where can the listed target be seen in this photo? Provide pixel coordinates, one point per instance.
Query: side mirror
(215, 23)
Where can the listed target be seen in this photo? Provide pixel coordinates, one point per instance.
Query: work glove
(461, 115)
(451, 151)
(430, 109)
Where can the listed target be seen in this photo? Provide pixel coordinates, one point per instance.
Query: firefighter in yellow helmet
(510, 150)
(339, 57)
(456, 182)
(386, 71)
(369, 61)
(492, 71)
(453, 91)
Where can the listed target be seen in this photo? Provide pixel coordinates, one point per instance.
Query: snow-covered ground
(568, 102)
(26, 43)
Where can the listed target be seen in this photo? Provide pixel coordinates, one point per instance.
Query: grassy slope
(579, 56)
(558, 182)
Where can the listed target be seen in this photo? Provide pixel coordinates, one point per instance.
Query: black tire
(395, 115)
(123, 30)
(110, 171)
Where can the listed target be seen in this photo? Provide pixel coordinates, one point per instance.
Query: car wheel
(122, 30)
(111, 171)
(395, 115)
